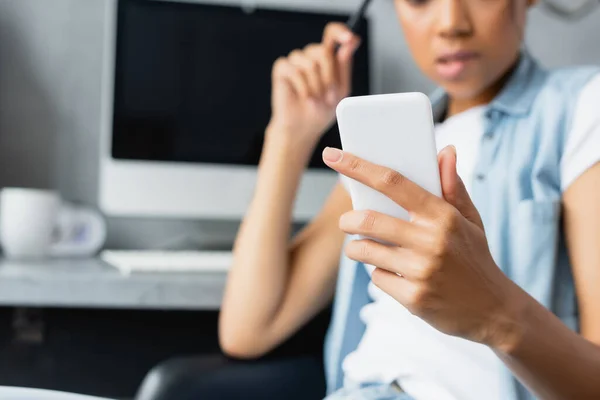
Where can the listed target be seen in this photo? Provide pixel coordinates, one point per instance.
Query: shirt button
(480, 177)
(493, 114)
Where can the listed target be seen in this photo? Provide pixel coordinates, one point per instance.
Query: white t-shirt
(428, 364)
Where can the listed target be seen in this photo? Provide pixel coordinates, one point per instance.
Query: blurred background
(51, 60)
(57, 67)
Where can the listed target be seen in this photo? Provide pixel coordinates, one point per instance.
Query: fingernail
(448, 149)
(332, 155)
(453, 149)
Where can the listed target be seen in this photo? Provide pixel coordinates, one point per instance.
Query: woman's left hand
(438, 264)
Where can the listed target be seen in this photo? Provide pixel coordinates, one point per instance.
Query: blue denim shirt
(517, 190)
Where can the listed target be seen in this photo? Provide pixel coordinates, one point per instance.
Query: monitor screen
(193, 81)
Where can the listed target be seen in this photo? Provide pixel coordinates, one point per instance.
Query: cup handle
(79, 232)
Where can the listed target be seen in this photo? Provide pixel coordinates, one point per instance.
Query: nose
(454, 19)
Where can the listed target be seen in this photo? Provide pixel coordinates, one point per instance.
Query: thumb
(454, 189)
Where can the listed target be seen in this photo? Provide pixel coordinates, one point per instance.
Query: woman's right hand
(309, 83)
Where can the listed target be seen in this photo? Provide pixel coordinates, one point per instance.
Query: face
(465, 46)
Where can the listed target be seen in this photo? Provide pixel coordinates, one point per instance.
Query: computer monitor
(186, 100)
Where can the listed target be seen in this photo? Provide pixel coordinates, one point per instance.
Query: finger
(341, 42)
(311, 70)
(454, 189)
(400, 288)
(383, 228)
(394, 259)
(390, 183)
(344, 61)
(294, 77)
(280, 82)
(328, 69)
(337, 34)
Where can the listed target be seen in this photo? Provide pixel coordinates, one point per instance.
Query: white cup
(35, 224)
(27, 220)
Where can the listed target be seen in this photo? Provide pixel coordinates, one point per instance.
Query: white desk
(90, 283)
(10, 393)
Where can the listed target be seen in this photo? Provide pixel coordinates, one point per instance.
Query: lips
(452, 65)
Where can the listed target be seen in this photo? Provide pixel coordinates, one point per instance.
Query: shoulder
(564, 124)
(582, 145)
(590, 92)
(559, 97)
(576, 89)
(570, 80)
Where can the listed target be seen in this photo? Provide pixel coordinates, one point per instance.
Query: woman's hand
(309, 83)
(438, 264)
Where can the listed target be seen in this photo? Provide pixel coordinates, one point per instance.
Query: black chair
(293, 371)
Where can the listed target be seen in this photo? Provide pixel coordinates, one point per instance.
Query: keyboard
(128, 261)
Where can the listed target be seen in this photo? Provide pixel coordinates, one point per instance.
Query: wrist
(290, 142)
(281, 152)
(293, 135)
(509, 325)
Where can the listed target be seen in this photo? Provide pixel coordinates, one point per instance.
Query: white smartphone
(395, 131)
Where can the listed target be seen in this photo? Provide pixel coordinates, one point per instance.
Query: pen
(355, 21)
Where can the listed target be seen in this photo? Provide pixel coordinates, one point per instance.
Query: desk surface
(90, 283)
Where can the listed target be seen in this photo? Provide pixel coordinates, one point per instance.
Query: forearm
(258, 278)
(554, 362)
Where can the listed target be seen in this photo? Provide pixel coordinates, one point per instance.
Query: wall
(50, 79)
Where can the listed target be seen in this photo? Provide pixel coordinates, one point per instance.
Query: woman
(527, 143)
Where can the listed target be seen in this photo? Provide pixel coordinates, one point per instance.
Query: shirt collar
(517, 96)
